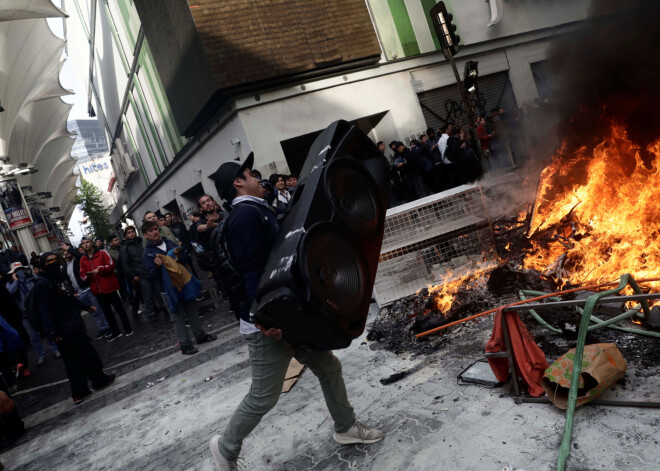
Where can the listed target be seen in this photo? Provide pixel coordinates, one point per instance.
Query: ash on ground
(397, 324)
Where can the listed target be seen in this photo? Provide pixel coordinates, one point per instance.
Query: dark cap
(226, 174)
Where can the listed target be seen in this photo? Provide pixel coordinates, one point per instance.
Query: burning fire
(597, 214)
(596, 217)
(445, 291)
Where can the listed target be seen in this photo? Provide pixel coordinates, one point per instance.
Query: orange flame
(447, 288)
(601, 211)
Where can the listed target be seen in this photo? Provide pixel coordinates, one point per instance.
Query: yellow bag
(602, 366)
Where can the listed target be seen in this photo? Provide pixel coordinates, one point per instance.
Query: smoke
(609, 70)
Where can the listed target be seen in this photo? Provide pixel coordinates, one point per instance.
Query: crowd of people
(43, 299)
(435, 161)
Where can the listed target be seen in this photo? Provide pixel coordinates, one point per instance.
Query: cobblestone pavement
(432, 423)
(48, 384)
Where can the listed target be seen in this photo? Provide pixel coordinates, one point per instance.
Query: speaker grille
(335, 269)
(354, 196)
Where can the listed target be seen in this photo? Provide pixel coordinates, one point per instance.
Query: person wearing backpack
(182, 303)
(251, 231)
(20, 288)
(60, 316)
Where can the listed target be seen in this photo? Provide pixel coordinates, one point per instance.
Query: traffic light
(318, 280)
(446, 31)
(470, 76)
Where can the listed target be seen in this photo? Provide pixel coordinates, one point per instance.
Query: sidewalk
(432, 423)
(48, 384)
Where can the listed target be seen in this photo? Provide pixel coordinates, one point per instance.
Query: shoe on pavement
(129, 333)
(100, 335)
(220, 462)
(114, 337)
(41, 361)
(188, 350)
(13, 388)
(111, 379)
(206, 338)
(79, 399)
(58, 355)
(358, 433)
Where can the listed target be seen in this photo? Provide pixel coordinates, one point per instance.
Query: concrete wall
(208, 157)
(471, 17)
(518, 17)
(270, 123)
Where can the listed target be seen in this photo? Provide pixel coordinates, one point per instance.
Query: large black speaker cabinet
(318, 280)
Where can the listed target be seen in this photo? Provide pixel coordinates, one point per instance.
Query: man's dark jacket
(59, 310)
(179, 230)
(250, 235)
(130, 259)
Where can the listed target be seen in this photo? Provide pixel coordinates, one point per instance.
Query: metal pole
(466, 102)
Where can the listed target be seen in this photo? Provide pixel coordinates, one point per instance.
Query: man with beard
(209, 220)
(60, 315)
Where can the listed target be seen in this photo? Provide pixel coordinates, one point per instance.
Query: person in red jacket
(97, 269)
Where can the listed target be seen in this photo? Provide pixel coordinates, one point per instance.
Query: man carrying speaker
(251, 230)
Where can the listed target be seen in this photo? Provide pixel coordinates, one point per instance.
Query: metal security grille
(426, 239)
(443, 105)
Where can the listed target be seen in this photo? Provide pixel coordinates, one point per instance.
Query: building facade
(90, 138)
(182, 86)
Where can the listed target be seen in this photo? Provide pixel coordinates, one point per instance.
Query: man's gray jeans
(269, 360)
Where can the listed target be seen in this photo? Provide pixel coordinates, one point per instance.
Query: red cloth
(105, 280)
(529, 358)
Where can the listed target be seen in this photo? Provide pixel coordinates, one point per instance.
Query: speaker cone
(335, 269)
(354, 196)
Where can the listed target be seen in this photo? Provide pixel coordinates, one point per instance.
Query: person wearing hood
(59, 311)
(20, 287)
(97, 268)
(130, 261)
(152, 258)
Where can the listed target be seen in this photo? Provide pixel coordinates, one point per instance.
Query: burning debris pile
(596, 214)
(595, 217)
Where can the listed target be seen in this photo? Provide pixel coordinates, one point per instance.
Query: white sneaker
(221, 463)
(359, 433)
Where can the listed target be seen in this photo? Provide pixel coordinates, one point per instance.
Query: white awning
(24, 9)
(29, 71)
(37, 124)
(33, 126)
